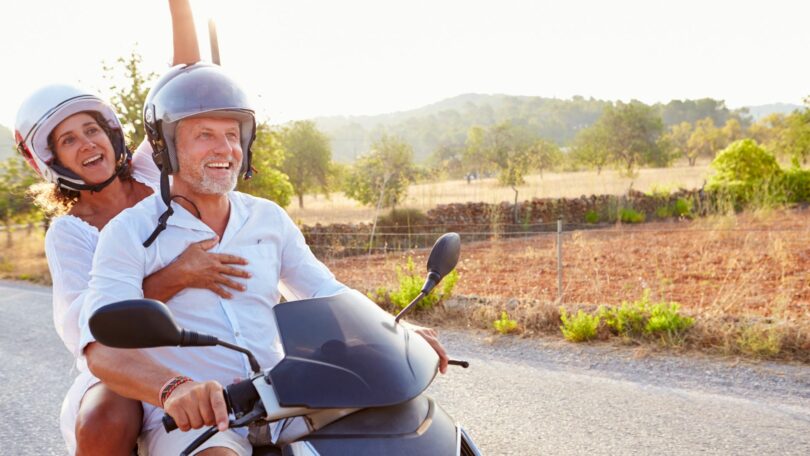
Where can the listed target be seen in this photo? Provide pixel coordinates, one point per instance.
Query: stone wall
(483, 220)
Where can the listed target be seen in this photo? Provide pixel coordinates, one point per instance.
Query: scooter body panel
(416, 427)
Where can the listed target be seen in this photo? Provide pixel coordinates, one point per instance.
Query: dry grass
(24, 259)
(338, 208)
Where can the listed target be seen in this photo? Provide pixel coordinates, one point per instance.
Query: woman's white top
(70, 244)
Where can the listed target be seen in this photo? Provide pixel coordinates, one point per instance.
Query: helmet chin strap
(165, 195)
(94, 188)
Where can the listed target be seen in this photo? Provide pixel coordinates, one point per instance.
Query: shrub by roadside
(410, 284)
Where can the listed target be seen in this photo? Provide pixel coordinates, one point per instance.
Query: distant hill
(760, 111)
(6, 142)
(446, 123)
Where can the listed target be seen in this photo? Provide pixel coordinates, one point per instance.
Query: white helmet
(41, 112)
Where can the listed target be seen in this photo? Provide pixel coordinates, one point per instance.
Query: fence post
(559, 262)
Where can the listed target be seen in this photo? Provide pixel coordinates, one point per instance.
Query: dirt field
(735, 265)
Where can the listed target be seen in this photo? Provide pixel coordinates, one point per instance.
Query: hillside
(446, 122)
(760, 111)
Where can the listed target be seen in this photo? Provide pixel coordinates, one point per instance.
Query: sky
(307, 58)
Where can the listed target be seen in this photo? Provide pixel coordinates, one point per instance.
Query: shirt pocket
(264, 265)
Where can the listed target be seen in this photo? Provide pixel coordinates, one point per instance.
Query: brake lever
(456, 362)
(246, 419)
(200, 440)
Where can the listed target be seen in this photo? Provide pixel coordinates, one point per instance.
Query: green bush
(643, 318)
(410, 284)
(666, 321)
(592, 217)
(580, 327)
(629, 319)
(796, 183)
(683, 207)
(747, 174)
(627, 215)
(663, 212)
(504, 325)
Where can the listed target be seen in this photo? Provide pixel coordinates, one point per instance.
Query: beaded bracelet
(169, 387)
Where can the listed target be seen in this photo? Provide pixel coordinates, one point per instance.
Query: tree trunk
(300, 201)
(7, 224)
(516, 210)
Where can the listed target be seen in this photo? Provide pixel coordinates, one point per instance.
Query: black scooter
(351, 381)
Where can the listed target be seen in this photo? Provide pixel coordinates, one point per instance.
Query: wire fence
(753, 264)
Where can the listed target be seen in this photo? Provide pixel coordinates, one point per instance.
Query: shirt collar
(238, 216)
(184, 219)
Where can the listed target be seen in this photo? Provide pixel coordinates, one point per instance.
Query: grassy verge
(637, 323)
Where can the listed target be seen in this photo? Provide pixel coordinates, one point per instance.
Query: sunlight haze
(313, 58)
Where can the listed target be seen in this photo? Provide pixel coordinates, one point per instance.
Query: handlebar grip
(168, 423)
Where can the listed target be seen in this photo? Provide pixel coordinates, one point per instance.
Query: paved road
(518, 398)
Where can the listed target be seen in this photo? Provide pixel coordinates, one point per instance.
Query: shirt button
(237, 334)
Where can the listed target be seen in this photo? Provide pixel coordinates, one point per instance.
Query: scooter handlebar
(168, 423)
(240, 399)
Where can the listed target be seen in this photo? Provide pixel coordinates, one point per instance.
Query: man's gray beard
(200, 182)
(208, 186)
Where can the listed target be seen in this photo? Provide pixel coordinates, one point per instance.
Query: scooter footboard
(416, 427)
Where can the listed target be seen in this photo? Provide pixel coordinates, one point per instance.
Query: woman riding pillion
(75, 142)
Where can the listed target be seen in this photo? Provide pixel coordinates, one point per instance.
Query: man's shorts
(157, 442)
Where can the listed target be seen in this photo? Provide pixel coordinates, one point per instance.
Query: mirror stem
(254, 365)
(433, 279)
(409, 306)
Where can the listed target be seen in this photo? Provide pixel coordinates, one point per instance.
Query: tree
(447, 160)
(590, 150)
(268, 180)
(545, 156)
(382, 176)
(795, 139)
(474, 157)
(307, 158)
(15, 206)
(706, 140)
(767, 131)
(510, 150)
(631, 132)
(128, 97)
(731, 132)
(678, 137)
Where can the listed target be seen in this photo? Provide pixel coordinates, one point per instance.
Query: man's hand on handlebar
(432, 338)
(197, 404)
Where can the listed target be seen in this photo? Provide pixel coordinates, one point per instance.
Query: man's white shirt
(259, 231)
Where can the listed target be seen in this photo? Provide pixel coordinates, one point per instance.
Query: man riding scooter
(201, 128)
